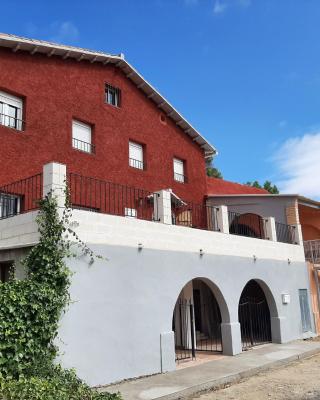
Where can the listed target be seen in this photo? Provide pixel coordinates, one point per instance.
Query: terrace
(163, 206)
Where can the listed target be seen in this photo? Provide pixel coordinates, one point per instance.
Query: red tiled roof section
(219, 186)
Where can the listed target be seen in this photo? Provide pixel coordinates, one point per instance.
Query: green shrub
(30, 311)
(59, 385)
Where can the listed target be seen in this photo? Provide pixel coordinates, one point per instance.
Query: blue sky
(245, 73)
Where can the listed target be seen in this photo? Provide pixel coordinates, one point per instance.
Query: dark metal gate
(183, 327)
(208, 337)
(254, 318)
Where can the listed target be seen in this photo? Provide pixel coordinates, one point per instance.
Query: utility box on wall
(285, 298)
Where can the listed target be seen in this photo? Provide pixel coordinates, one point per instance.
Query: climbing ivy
(30, 311)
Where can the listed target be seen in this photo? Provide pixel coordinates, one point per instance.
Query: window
(178, 170)
(113, 95)
(136, 155)
(9, 205)
(5, 269)
(130, 212)
(81, 137)
(11, 111)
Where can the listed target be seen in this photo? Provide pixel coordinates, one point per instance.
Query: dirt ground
(297, 381)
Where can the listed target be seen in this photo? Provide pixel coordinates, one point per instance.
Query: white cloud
(219, 7)
(298, 165)
(64, 32)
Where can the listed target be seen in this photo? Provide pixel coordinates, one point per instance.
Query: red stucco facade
(55, 91)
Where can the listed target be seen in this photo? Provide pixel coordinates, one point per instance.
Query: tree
(273, 189)
(212, 170)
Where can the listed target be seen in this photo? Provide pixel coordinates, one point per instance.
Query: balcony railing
(285, 233)
(83, 146)
(110, 198)
(250, 225)
(12, 122)
(312, 251)
(180, 178)
(194, 215)
(20, 196)
(136, 163)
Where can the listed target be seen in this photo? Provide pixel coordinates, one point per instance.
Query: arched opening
(254, 316)
(197, 321)
(249, 224)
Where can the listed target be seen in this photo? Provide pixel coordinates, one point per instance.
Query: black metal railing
(312, 250)
(110, 198)
(136, 163)
(183, 328)
(83, 146)
(20, 196)
(250, 225)
(12, 122)
(192, 215)
(180, 178)
(285, 233)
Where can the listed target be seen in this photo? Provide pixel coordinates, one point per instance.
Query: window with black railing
(11, 108)
(180, 178)
(20, 196)
(285, 233)
(136, 163)
(250, 225)
(83, 146)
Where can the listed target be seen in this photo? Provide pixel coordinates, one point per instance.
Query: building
(195, 265)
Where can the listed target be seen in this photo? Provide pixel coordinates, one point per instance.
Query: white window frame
(85, 143)
(113, 96)
(178, 170)
(130, 212)
(136, 155)
(9, 103)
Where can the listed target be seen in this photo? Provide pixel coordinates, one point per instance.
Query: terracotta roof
(217, 186)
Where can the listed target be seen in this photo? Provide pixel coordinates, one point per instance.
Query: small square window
(130, 212)
(113, 95)
(136, 155)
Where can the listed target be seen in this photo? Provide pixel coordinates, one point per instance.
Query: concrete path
(187, 382)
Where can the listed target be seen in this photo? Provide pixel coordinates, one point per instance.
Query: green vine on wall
(30, 311)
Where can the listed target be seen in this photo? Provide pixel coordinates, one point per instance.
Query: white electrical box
(285, 298)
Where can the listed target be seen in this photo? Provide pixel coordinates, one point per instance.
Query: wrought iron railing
(12, 122)
(250, 225)
(193, 215)
(312, 250)
(110, 198)
(136, 163)
(285, 233)
(180, 178)
(83, 146)
(20, 196)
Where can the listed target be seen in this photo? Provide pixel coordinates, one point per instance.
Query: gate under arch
(196, 321)
(254, 316)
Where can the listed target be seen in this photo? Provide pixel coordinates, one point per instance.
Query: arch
(256, 309)
(248, 224)
(197, 317)
(224, 309)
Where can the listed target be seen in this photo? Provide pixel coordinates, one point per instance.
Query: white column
(231, 338)
(298, 238)
(54, 181)
(162, 207)
(270, 225)
(223, 220)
